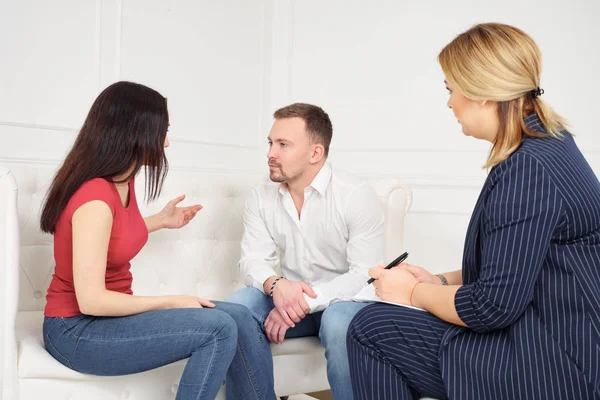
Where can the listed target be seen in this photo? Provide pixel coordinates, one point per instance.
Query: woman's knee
(208, 323)
(244, 319)
(225, 326)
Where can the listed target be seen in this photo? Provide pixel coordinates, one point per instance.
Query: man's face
(289, 149)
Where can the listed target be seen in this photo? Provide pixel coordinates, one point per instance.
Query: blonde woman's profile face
(477, 118)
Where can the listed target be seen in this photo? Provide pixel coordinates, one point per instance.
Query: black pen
(397, 261)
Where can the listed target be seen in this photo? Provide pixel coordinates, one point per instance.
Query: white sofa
(200, 259)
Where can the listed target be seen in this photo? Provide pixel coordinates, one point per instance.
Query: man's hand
(275, 327)
(289, 301)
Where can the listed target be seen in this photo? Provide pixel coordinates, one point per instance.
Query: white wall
(226, 65)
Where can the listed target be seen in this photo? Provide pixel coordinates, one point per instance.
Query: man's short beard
(279, 178)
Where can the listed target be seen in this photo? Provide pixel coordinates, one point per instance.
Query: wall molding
(210, 143)
(39, 127)
(405, 150)
(594, 150)
(31, 161)
(50, 145)
(171, 139)
(55, 163)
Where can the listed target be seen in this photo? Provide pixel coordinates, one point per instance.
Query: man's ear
(317, 154)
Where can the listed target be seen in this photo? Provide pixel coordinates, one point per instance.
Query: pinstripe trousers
(393, 353)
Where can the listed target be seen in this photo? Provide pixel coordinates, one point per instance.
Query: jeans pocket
(51, 329)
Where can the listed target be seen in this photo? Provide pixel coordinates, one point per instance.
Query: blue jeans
(330, 325)
(125, 345)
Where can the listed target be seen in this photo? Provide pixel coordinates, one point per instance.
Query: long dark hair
(125, 128)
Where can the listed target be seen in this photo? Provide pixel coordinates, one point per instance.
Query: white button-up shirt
(338, 236)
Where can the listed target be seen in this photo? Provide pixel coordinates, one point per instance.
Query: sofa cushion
(34, 362)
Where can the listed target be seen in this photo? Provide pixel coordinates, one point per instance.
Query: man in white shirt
(325, 229)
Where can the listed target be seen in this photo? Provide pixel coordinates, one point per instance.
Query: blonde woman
(521, 320)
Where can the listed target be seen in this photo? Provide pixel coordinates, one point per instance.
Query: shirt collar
(319, 183)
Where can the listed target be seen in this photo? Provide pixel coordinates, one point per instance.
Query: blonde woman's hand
(420, 273)
(393, 285)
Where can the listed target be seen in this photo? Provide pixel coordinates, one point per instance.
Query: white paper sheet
(368, 294)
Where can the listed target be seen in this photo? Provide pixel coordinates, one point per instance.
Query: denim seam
(49, 342)
(248, 371)
(210, 367)
(181, 333)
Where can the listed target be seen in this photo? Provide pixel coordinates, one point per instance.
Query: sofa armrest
(399, 203)
(396, 200)
(9, 281)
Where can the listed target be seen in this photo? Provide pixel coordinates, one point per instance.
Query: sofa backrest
(200, 259)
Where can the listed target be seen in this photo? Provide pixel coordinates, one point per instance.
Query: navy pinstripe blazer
(531, 275)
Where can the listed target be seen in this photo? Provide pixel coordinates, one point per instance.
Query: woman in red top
(93, 322)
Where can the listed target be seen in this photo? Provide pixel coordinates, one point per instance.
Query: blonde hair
(501, 63)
